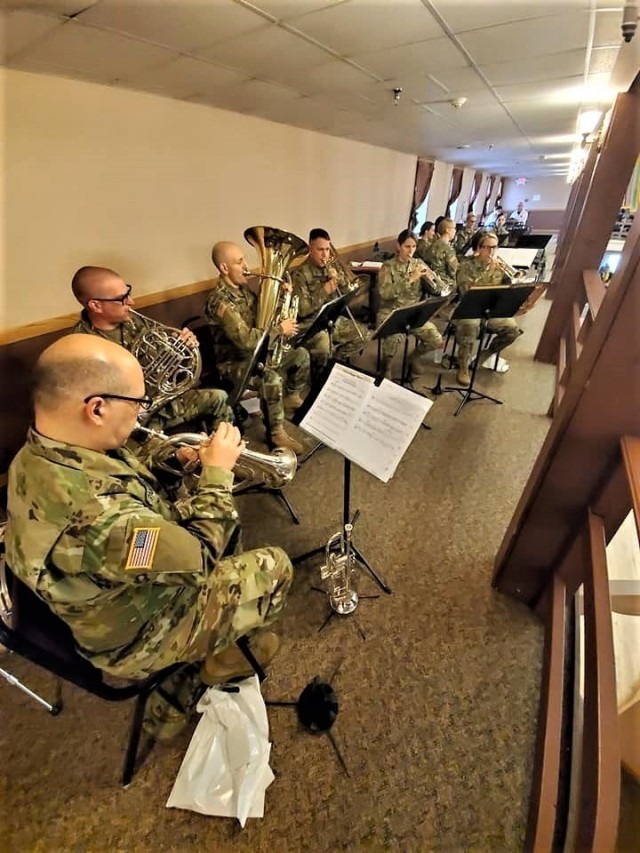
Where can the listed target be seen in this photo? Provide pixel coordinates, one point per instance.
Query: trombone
(353, 284)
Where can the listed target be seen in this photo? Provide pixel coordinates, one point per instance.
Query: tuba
(170, 366)
(273, 470)
(340, 570)
(277, 250)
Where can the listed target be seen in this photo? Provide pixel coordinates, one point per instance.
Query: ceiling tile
(565, 64)
(603, 59)
(336, 75)
(608, 28)
(59, 7)
(104, 54)
(20, 30)
(375, 23)
(253, 96)
(286, 10)
(184, 77)
(519, 41)
(273, 53)
(435, 56)
(464, 15)
(540, 90)
(184, 26)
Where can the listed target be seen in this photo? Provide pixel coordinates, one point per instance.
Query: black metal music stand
(402, 321)
(255, 367)
(325, 320)
(484, 304)
(347, 515)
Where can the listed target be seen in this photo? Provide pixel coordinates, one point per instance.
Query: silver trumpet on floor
(273, 470)
(340, 570)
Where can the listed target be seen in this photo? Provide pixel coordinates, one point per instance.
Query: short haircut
(444, 225)
(84, 279)
(426, 227)
(436, 224)
(56, 380)
(479, 236)
(318, 234)
(220, 252)
(405, 235)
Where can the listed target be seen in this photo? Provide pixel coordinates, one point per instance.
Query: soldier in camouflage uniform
(399, 286)
(314, 283)
(462, 241)
(106, 302)
(481, 270)
(231, 310)
(427, 234)
(441, 256)
(501, 230)
(141, 582)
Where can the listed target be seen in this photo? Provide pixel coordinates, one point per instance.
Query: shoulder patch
(142, 548)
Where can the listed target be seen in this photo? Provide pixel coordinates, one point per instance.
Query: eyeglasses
(143, 402)
(121, 299)
(491, 247)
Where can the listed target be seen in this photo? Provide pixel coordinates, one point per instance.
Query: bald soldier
(141, 582)
(231, 310)
(106, 312)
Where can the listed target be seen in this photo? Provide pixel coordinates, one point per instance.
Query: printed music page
(371, 425)
(385, 428)
(338, 405)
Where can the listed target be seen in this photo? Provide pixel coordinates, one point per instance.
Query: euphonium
(277, 249)
(340, 570)
(169, 364)
(274, 470)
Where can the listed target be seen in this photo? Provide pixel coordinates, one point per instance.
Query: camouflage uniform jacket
(72, 520)
(422, 248)
(396, 291)
(462, 241)
(308, 285)
(473, 273)
(124, 334)
(441, 257)
(231, 312)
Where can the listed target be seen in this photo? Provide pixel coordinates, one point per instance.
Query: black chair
(30, 629)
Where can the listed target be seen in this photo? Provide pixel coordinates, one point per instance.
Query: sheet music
(371, 425)
(337, 405)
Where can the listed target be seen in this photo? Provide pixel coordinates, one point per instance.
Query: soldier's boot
(418, 365)
(385, 368)
(292, 402)
(463, 376)
(281, 438)
(231, 663)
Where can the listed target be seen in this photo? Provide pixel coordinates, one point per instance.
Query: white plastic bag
(226, 769)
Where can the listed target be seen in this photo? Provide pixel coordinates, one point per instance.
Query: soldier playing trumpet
(316, 282)
(482, 270)
(399, 286)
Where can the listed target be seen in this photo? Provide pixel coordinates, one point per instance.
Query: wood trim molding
(58, 324)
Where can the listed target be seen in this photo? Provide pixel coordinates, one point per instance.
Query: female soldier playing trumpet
(399, 286)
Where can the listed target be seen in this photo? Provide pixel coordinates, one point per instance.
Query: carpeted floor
(437, 707)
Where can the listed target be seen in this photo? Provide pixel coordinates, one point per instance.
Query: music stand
(484, 304)
(402, 321)
(255, 367)
(325, 320)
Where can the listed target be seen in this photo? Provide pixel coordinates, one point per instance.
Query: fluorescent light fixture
(588, 121)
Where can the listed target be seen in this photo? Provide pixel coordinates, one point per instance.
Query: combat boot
(232, 664)
(463, 376)
(281, 438)
(292, 402)
(417, 364)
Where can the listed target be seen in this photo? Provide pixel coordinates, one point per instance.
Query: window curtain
(456, 186)
(490, 185)
(424, 174)
(477, 182)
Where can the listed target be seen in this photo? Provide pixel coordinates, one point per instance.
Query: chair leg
(134, 738)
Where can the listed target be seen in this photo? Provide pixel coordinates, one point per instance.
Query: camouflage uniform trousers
(346, 341)
(506, 332)
(245, 593)
(209, 404)
(428, 338)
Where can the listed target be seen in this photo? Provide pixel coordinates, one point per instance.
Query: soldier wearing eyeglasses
(106, 311)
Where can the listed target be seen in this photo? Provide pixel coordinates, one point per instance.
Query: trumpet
(274, 470)
(436, 285)
(508, 270)
(340, 570)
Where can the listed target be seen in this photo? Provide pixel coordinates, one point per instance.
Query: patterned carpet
(437, 707)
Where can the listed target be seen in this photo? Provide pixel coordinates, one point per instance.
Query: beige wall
(553, 191)
(439, 190)
(146, 184)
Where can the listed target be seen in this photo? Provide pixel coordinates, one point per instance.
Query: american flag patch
(143, 547)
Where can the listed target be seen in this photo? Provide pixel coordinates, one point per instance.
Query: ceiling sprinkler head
(458, 102)
(397, 94)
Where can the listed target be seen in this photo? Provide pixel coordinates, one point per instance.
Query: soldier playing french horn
(107, 311)
(231, 311)
(315, 282)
